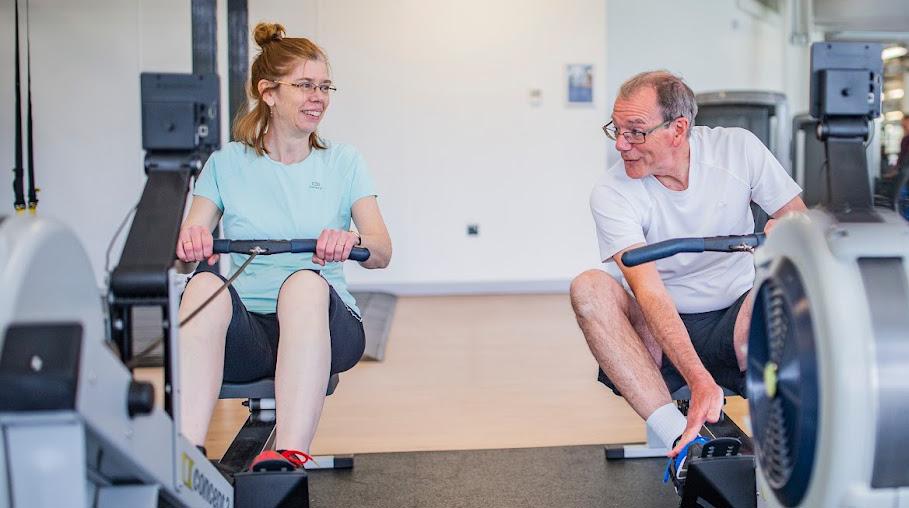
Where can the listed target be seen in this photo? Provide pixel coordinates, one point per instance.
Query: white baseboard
(465, 288)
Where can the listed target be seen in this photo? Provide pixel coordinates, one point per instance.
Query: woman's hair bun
(266, 33)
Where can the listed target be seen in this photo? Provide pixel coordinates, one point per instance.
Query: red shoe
(280, 460)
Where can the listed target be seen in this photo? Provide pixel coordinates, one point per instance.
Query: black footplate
(721, 447)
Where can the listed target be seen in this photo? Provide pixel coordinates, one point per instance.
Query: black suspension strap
(18, 183)
(32, 190)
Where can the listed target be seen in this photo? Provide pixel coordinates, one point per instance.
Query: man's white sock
(668, 423)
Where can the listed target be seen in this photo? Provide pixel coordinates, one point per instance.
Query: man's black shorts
(712, 336)
(251, 350)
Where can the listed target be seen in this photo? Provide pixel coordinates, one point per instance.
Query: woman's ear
(265, 88)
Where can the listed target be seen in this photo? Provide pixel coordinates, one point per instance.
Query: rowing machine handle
(267, 247)
(667, 248)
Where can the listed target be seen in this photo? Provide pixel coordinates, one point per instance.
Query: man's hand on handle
(705, 406)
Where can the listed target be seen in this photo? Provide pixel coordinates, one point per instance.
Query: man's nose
(622, 144)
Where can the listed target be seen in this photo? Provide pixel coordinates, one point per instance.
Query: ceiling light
(894, 52)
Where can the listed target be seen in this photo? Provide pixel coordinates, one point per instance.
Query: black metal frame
(189, 105)
(237, 56)
(181, 128)
(256, 434)
(845, 96)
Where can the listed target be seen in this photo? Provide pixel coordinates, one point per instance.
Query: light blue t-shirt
(262, 199)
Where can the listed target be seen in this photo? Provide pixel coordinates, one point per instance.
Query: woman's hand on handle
(195, 244)
(195, 240)
(334, 245)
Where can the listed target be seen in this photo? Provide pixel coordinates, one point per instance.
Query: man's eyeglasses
(633, 136)
(308, 87)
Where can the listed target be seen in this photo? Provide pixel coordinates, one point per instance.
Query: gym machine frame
(827, 349)
(78, 429)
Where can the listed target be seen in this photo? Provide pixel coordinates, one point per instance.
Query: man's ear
(680, 129)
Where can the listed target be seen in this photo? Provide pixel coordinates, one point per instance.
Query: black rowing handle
(266, 247)
(667, 248)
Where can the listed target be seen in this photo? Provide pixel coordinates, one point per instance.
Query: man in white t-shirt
(686, 320)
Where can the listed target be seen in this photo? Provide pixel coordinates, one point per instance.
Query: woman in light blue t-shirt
(289, 316)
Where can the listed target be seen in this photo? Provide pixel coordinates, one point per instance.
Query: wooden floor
(470, 372)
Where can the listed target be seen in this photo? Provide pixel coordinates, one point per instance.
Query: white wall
(434, 93)
(713, 44)
(88, 162)
(86, 59)
(7, 109)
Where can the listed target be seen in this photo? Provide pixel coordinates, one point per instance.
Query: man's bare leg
(619, 339)
(741, 331)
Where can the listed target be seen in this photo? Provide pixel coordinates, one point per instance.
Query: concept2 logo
(196, 481)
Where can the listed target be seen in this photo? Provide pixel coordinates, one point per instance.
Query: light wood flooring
(470, 372)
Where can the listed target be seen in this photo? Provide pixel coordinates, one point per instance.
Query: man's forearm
(670, 333)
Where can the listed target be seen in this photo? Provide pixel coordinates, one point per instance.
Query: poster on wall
(580, 84)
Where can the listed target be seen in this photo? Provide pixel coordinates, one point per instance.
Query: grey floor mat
(377, 310)
(146, 330)
(575, 477)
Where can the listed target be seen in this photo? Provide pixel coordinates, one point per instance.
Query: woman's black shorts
(251, 350)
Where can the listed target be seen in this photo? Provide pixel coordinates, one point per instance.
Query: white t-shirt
(729, 168)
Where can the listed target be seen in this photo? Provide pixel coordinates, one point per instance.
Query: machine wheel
(783, 383)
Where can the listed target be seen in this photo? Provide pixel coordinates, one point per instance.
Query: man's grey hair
(674, 97)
